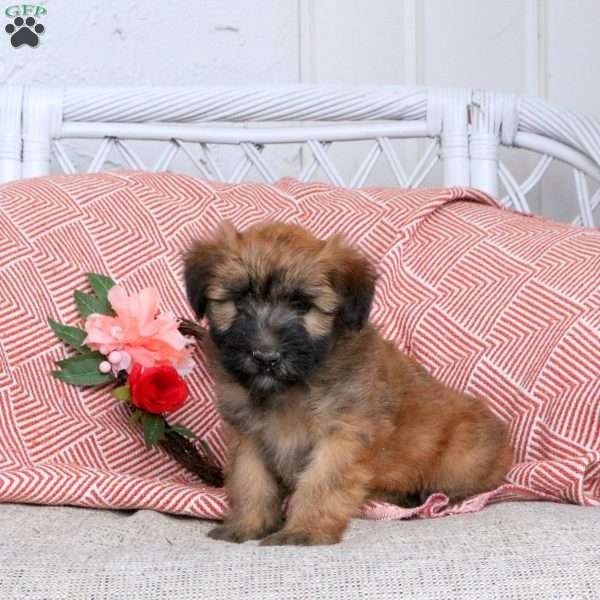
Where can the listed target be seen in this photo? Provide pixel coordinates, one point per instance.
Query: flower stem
(199, 461)
(191, 328)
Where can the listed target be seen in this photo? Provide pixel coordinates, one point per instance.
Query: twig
(191, 328)
(199, 461)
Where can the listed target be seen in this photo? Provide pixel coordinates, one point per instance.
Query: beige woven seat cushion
(509, 551)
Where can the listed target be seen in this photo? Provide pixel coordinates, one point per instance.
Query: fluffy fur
(319, 405)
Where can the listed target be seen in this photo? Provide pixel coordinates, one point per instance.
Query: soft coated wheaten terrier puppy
(318, 404)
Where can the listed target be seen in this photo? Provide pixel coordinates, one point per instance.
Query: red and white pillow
(499, 304)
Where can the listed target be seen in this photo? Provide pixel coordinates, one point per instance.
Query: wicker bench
(511, 550)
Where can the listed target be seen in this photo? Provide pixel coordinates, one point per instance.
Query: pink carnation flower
(138, 333)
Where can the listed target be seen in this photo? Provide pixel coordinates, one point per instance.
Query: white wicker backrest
(197, 121)
(535, 125)
(465, 129)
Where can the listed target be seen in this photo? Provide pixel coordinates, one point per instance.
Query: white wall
(542, 47)
(101, 42)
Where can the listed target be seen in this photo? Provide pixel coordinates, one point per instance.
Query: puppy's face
(276, 298)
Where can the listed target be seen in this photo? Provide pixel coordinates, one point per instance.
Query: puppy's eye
(241, 305)
(301, 304)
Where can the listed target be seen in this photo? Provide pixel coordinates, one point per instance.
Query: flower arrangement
(145, 354)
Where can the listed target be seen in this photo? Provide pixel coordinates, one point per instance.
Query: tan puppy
(318, 404)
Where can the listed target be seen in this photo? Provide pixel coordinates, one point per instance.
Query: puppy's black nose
(266, 360)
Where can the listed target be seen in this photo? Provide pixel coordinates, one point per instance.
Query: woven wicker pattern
(497, 303)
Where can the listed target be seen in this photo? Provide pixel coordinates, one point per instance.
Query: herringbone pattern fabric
(499, 304)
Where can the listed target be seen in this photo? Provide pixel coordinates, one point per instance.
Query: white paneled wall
(541, 47)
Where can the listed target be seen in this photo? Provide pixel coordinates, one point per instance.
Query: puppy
(318, 404)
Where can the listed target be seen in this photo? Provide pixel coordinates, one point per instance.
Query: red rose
(157, 389)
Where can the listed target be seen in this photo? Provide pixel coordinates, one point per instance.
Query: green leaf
(122, 393)
(89, 304)
(82, 364)
(154, 428)
(181, 430)
(135, 416)
(70, 335)
(89, 378)
(100, 284)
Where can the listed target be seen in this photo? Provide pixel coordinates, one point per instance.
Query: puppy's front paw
(238, 533)
(230, 533)
(298, 538)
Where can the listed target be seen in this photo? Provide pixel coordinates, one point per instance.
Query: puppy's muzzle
(266, 360)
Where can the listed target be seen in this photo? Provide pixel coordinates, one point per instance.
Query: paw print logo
(24, 32)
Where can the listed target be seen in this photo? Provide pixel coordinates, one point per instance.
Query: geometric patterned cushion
(499, 304)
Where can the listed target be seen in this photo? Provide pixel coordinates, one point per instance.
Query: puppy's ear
(198, 265)
(353, 277)
(200, 262)
(227, 235)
